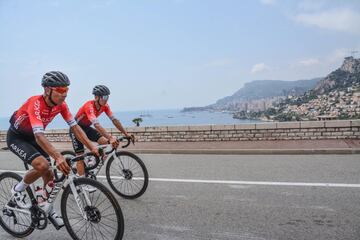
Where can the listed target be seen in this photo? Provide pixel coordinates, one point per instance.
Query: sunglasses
(105, 98)
(61, 90)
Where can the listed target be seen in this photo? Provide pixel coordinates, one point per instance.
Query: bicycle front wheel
(14, 222)
(100, 216)
(127, 175)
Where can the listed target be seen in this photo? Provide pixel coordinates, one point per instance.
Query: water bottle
(39, 196)
(48, 189)
(42, 195)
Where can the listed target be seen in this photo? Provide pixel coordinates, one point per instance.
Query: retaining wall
(336, 129)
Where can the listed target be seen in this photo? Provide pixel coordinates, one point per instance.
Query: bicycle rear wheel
(127, 175)
(104, 216)
(14, 222)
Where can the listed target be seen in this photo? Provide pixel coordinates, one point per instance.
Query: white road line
(261, 183)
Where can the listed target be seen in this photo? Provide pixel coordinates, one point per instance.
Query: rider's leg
(40, 169)
(94, 136)
(79, 150)
(27, 150)
(48, 176)
(41, 166)
(80, 166)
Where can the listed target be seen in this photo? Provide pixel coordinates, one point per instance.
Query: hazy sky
(160, 54)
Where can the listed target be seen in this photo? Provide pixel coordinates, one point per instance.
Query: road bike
(86, 215)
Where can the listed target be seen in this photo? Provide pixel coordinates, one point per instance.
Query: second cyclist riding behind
(88, 115)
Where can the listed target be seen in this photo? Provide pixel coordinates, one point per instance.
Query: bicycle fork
(77, 197)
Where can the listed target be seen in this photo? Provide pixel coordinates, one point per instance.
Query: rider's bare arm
(81, 136)
(118, 125)
(102, 131)
(45, 144)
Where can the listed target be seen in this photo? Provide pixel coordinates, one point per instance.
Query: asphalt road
(231, 197)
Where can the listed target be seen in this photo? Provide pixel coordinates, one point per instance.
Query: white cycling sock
(21, 186)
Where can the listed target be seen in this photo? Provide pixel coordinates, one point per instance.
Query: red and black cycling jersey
(34, 115)
(88, 113)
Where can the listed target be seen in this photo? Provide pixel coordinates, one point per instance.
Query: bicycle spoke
(100, 225)
(104, 216)
(92, 231)
(137, 186)
(102, 235)
(107, 208)
(87, 227)
(81, 228)
(74, 224)
(100, 204)
(96, 200)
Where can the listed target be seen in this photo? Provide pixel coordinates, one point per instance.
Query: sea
(169, 117)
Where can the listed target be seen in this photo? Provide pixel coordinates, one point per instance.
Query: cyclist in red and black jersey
(87, 116)
(26, 136)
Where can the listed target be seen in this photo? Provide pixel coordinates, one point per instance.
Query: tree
(137, 121)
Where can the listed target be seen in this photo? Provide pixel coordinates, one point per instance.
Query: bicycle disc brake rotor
(93, 214)
(127, 174)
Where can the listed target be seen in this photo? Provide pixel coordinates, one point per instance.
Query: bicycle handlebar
(128, 139)
(120, 139)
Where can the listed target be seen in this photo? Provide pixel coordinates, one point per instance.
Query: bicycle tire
(134, 157)
(27, 230)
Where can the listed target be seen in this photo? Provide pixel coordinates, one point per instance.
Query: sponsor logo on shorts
(19, 151)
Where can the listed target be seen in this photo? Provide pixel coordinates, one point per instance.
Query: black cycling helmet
(101, 90)
(55, 79)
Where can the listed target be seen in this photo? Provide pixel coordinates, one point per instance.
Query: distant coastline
(168, 117)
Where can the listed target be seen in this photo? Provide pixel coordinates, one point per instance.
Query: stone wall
(343, 129)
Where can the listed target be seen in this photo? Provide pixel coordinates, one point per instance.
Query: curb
(249, 151)
(240, 151)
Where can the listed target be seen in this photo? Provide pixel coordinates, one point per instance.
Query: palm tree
(137, 121)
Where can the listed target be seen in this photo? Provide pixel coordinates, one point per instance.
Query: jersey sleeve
(90, 113)
(33, 111)
(67, 116)
(109, 112)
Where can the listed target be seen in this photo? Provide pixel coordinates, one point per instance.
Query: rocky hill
(337, 96)
(346, 76)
